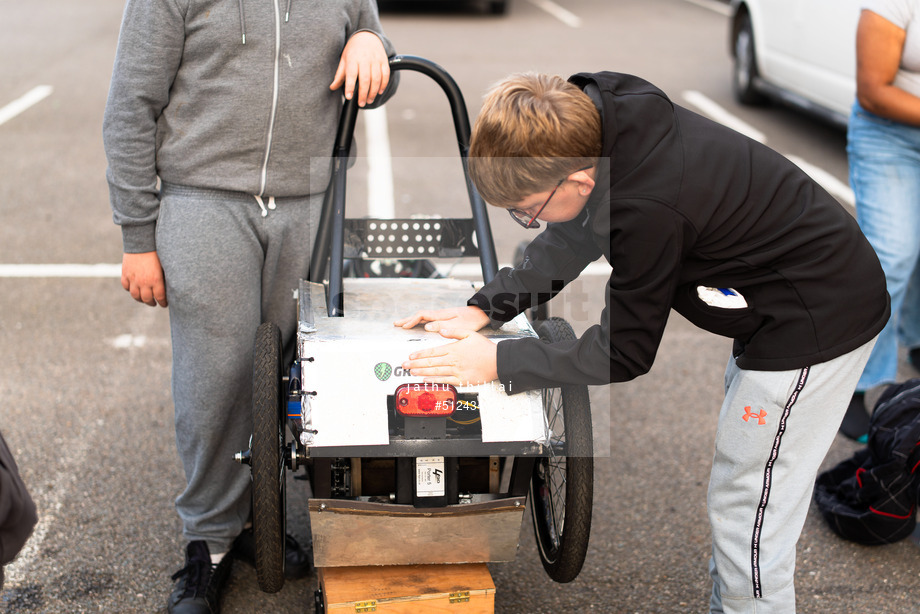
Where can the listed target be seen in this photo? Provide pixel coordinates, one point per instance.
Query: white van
(800, 52)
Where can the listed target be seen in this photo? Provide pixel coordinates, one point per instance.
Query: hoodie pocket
(735, 322)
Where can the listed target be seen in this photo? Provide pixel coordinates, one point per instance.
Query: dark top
(681, 202)
(17, 510)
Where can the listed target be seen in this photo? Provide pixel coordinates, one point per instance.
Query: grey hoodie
(224, 94)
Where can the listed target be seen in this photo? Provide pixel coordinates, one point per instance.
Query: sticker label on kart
(429, 476)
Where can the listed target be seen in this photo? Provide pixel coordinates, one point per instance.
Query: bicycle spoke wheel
(562, 485)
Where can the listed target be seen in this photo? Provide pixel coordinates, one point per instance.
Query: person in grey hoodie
(218, 129)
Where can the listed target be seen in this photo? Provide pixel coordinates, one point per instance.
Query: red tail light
(426, 399)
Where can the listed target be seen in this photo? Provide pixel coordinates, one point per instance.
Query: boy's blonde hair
(533, 130)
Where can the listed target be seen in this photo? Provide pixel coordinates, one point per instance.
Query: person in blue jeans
(884, 155)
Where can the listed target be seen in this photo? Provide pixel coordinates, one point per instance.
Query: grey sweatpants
(227, 270)
(775, 427)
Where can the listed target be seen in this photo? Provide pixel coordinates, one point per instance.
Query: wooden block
(408, 589)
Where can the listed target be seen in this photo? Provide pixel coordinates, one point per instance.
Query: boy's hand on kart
(472, 360)
(142, 276)
(463, 318)
(364, 63)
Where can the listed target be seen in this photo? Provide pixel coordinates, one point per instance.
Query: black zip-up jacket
(681, 202)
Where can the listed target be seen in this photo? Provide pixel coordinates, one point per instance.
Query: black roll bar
(330, 240)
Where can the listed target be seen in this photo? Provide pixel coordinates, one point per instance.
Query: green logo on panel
(383, 371)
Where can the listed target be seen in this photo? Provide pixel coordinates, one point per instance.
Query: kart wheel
(562, 485)
(745, 70)
(267, 460)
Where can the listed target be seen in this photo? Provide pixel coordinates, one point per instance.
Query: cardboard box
(410, 589)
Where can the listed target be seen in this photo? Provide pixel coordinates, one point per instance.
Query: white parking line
(834, 186)
(473, 271)
(719, 114)
(717, 7)
(379, 165)
(60, 270)
(462, 270)
(123, 342)
(30, 98)
(827, 181)
(564, 15)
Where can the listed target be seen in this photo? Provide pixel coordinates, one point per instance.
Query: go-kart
(403, 472)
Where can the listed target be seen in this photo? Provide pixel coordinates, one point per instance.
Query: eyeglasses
(530, 221)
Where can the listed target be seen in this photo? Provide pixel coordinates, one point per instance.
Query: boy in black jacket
(692, 217)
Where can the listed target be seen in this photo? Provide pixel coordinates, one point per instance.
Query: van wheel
(745, 70)
(498, 7)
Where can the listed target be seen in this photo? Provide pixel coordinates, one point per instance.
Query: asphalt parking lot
(85, 378)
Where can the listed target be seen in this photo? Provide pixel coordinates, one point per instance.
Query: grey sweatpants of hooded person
(775, 428)
(228, 268)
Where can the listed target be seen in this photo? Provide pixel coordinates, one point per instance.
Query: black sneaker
(298, 561)
(855, 423)
(913, 356)
(200, 583)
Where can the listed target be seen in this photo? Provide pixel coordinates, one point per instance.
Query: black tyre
(268, 496)
(745, 71)
(498, 7)
(562, 485)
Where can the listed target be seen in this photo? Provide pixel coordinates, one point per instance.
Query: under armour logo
(761, 416)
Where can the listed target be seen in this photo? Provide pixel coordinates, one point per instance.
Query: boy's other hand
(364, 63)
(472, 360)
(463, 318)
(142, 276)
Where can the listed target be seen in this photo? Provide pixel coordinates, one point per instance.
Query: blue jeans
(884, 161)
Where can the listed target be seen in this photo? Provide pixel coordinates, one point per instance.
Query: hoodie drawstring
(271, 204)
(287, 17)
(242, 22)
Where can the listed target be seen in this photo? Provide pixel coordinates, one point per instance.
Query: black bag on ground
(871, 498)
(17, 510)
